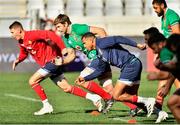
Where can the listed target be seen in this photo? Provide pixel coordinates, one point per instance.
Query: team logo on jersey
(78, 47)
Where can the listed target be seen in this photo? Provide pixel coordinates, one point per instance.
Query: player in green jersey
(169, 61)
(170, 21)
(72, 34)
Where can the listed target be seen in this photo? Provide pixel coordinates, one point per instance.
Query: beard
(161, 13)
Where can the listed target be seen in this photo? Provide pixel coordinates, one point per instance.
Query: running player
(110, 52)
(72, 34)
(48, 50)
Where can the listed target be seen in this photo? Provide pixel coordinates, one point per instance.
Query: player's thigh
(36, 78)
(174, 100)
(118, 89)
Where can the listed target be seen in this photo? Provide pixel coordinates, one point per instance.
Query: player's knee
(115, 96)
(171, 102)
(68, 89)
(31, 81)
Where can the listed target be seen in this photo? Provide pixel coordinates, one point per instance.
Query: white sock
(92, 97)
(45, 102)
(142, 99)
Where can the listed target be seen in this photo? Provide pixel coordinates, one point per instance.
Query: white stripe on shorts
(43, 72)
(129, 83)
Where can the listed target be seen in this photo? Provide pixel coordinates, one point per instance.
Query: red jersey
(43, 45)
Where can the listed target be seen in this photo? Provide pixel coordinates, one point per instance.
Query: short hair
(160, 2)
(151, 30)
(62, 18)
(156, 39)
(16, 24)
(87, 35)
(174, 40)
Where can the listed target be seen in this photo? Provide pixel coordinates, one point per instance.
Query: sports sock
(45, 102)
(78, 91)
(159, 102)
(95, 88)
(138, 99)
(92, 97)
(39, 91)
(130, 105)
(134, 98)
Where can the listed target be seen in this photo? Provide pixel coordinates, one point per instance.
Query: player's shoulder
(171, 13)
(165, 52)
(78, 25)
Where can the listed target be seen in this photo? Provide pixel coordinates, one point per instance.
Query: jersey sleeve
(48, 35)
(115, 40)
(166, 55)
(23, 54)
(80, 29)
(173, 19)
(98, 66)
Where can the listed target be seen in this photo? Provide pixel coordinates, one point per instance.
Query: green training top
(166, 55)
(73, 40)
(171, 18)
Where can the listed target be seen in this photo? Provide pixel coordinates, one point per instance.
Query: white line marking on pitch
(123, 120)
(22, 97)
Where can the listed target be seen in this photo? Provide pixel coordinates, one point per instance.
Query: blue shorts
(53, 71)
(131, 72)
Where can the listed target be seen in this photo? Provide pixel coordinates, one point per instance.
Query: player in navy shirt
(110, 52)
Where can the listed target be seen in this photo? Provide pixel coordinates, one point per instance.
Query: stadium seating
(54, 8)
(113, 8)
(94, 8)
(148, 9)
(12, 8)
(34, 5)
(75, 7)
(133, 7)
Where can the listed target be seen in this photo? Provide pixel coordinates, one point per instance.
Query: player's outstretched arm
(98, 31)
(165, 90)
(15, 63)
(141, 46)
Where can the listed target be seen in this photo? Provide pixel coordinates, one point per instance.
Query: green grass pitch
(67, 108)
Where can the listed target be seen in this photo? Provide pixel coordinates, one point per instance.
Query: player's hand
(58, 61)
(157, 63)
(80, 80)
(141, 46)
(152, 76)
(15, 63)
(164, 91)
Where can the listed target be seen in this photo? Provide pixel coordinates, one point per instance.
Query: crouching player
(110, 52)
(171, 63)
(48, 50)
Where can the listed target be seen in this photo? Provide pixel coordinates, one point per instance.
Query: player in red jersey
(48, 50)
